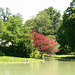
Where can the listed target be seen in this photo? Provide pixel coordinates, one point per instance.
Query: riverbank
(25, 60)
(59, 57)
(18, 59)
(64, 56)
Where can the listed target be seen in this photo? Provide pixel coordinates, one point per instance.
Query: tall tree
(15, 33)
(55, 16)
(61, 39)
(69, 25)
(46, 22)
(4, 14)
(66, 33)
(41, 23)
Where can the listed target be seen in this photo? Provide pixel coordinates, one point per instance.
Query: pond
(52, 67)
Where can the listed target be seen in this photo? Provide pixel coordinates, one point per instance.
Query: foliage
(66, 33)
(55, 16)
(41, 23)
(43, 44)
(1, 53)
(38, 55)
(72, 53)
(46, 22)
(4, 14)
(64, 48)
(69, 25)
(13, 31)
(32, 55)
(35, 54)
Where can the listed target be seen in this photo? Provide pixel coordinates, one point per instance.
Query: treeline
(48, 22)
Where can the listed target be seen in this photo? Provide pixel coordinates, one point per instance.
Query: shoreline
(10, 59)
(64, 56)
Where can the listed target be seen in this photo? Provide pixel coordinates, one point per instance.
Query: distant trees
(55, 16)
(41, 23)
(66, 33)
(46, 22)
(4, 14)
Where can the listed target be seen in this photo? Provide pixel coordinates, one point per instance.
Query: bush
(1, 53)
(32, 55)
(35, 54)
(72, 53)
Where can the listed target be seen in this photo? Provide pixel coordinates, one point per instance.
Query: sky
(29, 8)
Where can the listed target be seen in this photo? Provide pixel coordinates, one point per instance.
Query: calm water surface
(53, 67)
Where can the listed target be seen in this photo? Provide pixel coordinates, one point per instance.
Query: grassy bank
(17, 59)
(63, 55)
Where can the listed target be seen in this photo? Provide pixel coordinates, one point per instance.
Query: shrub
(43, 44)
(1, 53)
(72, 53)
(32, 55)
(37, 55)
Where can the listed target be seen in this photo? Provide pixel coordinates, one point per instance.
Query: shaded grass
(17, 59)
(63, 55)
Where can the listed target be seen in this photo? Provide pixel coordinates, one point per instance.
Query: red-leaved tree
(42, 43)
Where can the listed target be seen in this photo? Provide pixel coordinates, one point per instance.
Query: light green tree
(46, 22)
(55, 16)
(13, 31)
(41, 23)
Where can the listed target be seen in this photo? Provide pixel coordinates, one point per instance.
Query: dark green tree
(63, 48)
(69, 25)
(66, 33)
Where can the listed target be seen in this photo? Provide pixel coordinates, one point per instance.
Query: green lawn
(17, 59)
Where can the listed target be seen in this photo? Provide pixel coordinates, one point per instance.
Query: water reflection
(53, 67)
(66, 68)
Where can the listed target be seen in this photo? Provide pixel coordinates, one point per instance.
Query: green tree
(4, 14)
(69, 25)
(12, 26)
(64, 48)
(66, 32)
(55, 16)
(46, 22)
(1, 26)
(16, 33)
(41, 23)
